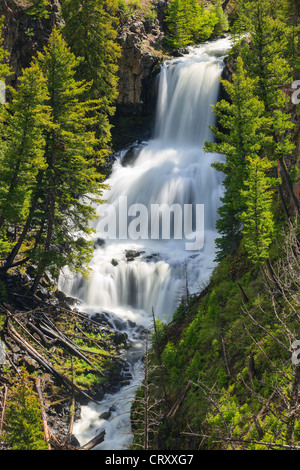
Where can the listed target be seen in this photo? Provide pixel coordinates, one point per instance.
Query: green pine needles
(48, 180)
(189, 22)
(255, 131)
(23, 423)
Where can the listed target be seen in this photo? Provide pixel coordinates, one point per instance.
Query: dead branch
(93, 442)
(176, 406)
(72, 407)
(43, 412)
(243, 441)
(3, 408)
(43, 362)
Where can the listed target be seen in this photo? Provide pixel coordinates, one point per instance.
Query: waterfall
(170, 169)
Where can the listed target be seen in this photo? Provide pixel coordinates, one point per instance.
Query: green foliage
(258, 217)
(39, 9)
(189, 22)
(23, 424)
(26, 119)
(91, 30)
(70, 173)
(49, 180)
(241, 133)
(4, 54)
(222, 24)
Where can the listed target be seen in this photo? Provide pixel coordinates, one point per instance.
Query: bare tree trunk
(158, 353)
(3, 408)
(43, 412)
(286, 177)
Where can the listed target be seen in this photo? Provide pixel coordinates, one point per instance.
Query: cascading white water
(173, 169)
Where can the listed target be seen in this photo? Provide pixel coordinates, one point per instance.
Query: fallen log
(34, 353)
(174, 409)
(93, 442)
(3, 408)
(43, 412)
(72, 407)
(70, 346)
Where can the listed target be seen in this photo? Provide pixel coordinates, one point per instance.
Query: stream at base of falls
(149, 270)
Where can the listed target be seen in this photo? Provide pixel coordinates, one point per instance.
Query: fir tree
(266, 57)
(26, 120)
(71, 175)
(258, 216)
(189, 22)
(61, 204)
(91, 31)
(240, 134)
(23, 424)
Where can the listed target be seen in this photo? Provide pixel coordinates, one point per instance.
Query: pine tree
(258, 216)
(61, 204)
(265, 53)
(91, 32)
(177, 24)
(23, 424)
(267, 62)
(240, 133)
(71, 175)
(26, 119)
(4, 54)
(189, 22)
(4, 73)
(222, 24)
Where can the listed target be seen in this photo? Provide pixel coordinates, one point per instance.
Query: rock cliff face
(139, 38)
(25, 35)
(141, 41)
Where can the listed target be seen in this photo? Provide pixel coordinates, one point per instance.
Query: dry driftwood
(93, 442)
(43, 362)
(43, 412)
(3, 408)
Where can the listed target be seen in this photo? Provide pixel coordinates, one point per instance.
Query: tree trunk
(287, 179)
(11, 257)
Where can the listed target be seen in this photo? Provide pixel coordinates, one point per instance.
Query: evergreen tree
(26, 120)
(91, 31)
(178, 24)
(240, 133)
(23, 424)
(265, 52)
(189, 22)
(71, 175)
(266, 57)
(222, 24)
(4, 54)
(4, 73)
(258, 216)
(61, 204)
